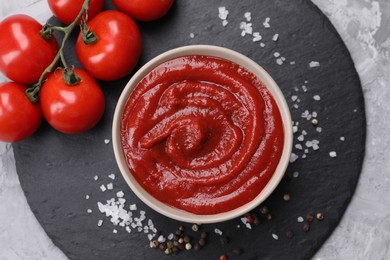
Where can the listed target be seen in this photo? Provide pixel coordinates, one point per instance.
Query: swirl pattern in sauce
(202, 134)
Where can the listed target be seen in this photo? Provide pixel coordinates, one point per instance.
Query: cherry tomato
(144, 10)
(24, 53)
(72, 109)
(117, 49)
(67, 10)
(19, 118)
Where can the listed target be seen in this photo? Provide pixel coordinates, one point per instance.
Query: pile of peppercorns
(179, 241)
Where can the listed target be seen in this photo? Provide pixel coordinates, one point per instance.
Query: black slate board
(56, 171)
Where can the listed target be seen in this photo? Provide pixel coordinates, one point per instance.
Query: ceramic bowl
(227, 54)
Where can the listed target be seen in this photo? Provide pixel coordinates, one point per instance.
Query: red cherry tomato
(24, 53)
(144, 10)
(67, 10)
(19, 118)
(117, 49)
(72, 109)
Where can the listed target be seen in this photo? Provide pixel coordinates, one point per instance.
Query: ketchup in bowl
(201, 134)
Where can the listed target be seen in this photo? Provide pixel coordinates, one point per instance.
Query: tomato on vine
(67, 10)
(71, 101)
(144, 10)
(116, 49)
(24, 52)
(19, 118)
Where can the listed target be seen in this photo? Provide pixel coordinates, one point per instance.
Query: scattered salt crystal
(355, 110)
(170, 236)
(295, 174)
(319, 129)
(304, 132)
(275, 236)
(300, 219)
(222, 12)
(256, 37)
(224, 23)
(86, 197)
(103, 188)
(248, 225)
(266, 22)
(218, 231)
(106, 141)
(301, 138)
(342, 138)
(292, 62)
(306, 81)
(111, 176)
(306, 150)
(150, 236)
(293, 157)
(246, 28)
(161, 239)
(276, 54)
(283, 58)
(295, 129)
(238, 226)
(295, 106)
(100, 223)
(192, 35)
(315, 146)
(313, 64)
(303, 156)
(89, 210)
(304, 88)
(314, 114)
(316, 97)
(275, 37)
(133, 207)
(120, 194)
(299, 146)
(247, 16)
(114, 231)
(139, 229)
(279, 61)
(262, 44)
(244, 220)
(110, 186)
(332, 154)
(128, 229)
(96, 177)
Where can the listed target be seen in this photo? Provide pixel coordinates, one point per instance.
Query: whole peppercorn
(180, 240)
(320, 216)
(188, 246)
(314, 121)
(224, 240)
(168, 251)
(264, 210)
(180, 247)
(154, 243)
(186, 239)
(162, 246)
(195, 227)
(286, 197)
(175, 249)
(289, 234)
(202, 242)
(197, 247)
(169, 244)
(269, 216)
(181, 228)
(256, 221)
(204, 235)
(306, 227)
(309, 217)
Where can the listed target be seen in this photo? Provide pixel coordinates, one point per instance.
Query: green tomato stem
(33, 92)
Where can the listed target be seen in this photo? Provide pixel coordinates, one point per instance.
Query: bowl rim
(242, 60)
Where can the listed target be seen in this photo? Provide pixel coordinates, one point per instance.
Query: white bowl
(235, 57)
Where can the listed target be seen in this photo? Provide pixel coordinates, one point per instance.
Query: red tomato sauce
(202, 134)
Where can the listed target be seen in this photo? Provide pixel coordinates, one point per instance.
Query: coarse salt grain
(275, 37)
(111, 176)
(192, 35)
(106, 141)
(266, 22)
(256, 37)
(224, 23)
(276, 54)
(279, 61)
(332, 154)
(96, 177)
(247, 16)
(304, 88)
(110, 186)
(295, 174)
(342, 138)
(292, 62)
(300, 219)
(319, 129)
(103, 188)
(314, 64)
(133, 207)
(218, 231)
(275, 236)
(89, 210)
(114, 231)
(222, 12)
(317, 97)
(262, 44)
(120, 194)
(298, 146)
(293, 157)
(100, 223)
(87, 197)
